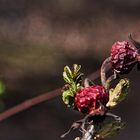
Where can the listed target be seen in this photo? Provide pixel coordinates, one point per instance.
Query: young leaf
(73, 87)
(119, 93)
(76, 69)
(78, 79)
(74, 80)
(66, 96)
(68, 72)
(66, 78)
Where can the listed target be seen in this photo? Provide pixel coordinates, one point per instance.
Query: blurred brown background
(37, 38)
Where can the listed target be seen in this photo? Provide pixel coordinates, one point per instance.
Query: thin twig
(29, 103)
(88, 82)
(134, 42)
(39, 99)
(104, 69)
(89, 135)
(111, 78)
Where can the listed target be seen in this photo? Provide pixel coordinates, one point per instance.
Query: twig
(89, 133)
(134, 42)
(88, 82)
(111, 78)
(104, 68)
(36, 100)
(29, 103)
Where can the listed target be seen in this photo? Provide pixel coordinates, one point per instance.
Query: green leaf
(119, 93)
(66, 78)
(79, 78)
(75, 76)
(68, 72)
(2, 87)
(66, 96)
(110, 129)
(73, 87)
(74, 80)
(76, 69)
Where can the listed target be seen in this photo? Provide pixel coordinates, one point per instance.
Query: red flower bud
(88, 100)
(123, 57)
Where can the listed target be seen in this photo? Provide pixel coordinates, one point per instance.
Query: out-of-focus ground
(37, 38)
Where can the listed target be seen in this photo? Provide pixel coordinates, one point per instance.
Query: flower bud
(89, 100)
(123, 57)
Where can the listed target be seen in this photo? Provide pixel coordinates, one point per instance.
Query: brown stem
(89, 135)
(111, 78)
(88, 82)
(39, 99)
(104, 69)
(134, 42)
(29, 103)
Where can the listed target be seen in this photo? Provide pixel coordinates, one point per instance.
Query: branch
(104, 69)
(89, 135)
(39, 99)
(29, 103)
